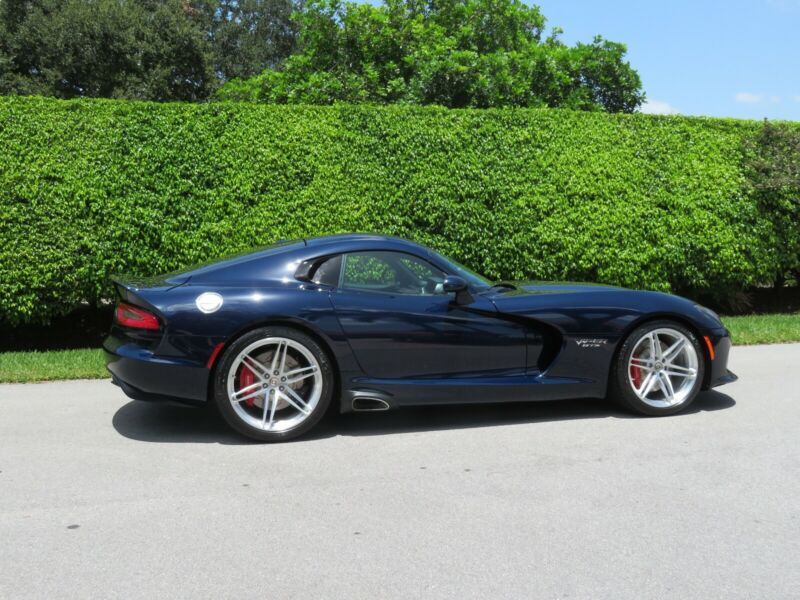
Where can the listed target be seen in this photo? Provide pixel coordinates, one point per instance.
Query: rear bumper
(144, 376)
(137, 394)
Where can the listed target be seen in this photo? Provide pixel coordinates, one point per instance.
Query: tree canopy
(246, 36)
(146, 49)
(456, 53)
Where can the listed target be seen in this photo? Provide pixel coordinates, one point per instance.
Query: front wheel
(659, 369)
(273, 384)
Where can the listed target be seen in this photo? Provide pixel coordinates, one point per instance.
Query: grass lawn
(23, 367)
(763, 329)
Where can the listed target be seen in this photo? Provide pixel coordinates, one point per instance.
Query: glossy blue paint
(540, 341)
(397, 337)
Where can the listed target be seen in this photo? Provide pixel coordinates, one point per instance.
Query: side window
(390, 272)
(368, 271)
(328, 272)
(423, 270)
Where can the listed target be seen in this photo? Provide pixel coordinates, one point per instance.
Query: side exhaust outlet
(368, 404)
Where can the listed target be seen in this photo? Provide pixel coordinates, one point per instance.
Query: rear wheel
(659, 369)
(273, 384)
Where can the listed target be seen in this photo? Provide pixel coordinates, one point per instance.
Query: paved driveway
(104, 497)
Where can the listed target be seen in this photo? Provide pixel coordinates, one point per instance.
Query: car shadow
(166, 423)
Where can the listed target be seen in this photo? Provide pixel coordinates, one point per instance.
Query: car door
(400, 325)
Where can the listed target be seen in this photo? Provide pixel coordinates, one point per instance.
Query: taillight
(128, 315)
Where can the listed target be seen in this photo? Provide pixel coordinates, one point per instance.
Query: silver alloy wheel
(284, 384)
(662, 370)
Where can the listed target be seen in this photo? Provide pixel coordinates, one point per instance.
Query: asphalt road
(104, 497)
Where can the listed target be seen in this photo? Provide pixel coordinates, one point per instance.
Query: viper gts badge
(591, 342)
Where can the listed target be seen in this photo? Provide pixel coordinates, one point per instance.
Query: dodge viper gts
(369, 322)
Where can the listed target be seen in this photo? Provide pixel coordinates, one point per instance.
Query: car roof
(346, 238)
(349, 242)
(268, 261)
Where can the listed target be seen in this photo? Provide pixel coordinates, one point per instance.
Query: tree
(146, 49)
(246, 36)
(456, 53)
(109, 48)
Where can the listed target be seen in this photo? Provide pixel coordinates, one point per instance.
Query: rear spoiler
(165, 282)
(140, 290)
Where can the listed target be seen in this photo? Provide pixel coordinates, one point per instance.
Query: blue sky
(731, 58)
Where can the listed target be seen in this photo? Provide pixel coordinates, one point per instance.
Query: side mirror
(458, 286)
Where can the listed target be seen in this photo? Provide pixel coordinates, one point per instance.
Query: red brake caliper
(247, 377)
(636, 375)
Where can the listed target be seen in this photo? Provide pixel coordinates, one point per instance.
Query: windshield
(473, 279)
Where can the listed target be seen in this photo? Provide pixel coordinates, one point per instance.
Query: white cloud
(748, 98)
(656, 107)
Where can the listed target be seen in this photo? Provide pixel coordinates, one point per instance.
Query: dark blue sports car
(377, 323)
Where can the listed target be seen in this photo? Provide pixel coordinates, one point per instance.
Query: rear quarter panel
(192, 336)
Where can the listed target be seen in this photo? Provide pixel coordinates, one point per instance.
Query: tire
(661, 382)
(273, 398)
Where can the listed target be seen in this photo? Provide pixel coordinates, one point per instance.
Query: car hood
(538, 288)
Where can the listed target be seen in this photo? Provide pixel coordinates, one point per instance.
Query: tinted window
(390, 272)
(328, 272)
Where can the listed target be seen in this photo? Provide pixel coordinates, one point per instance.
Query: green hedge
(93, 188)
